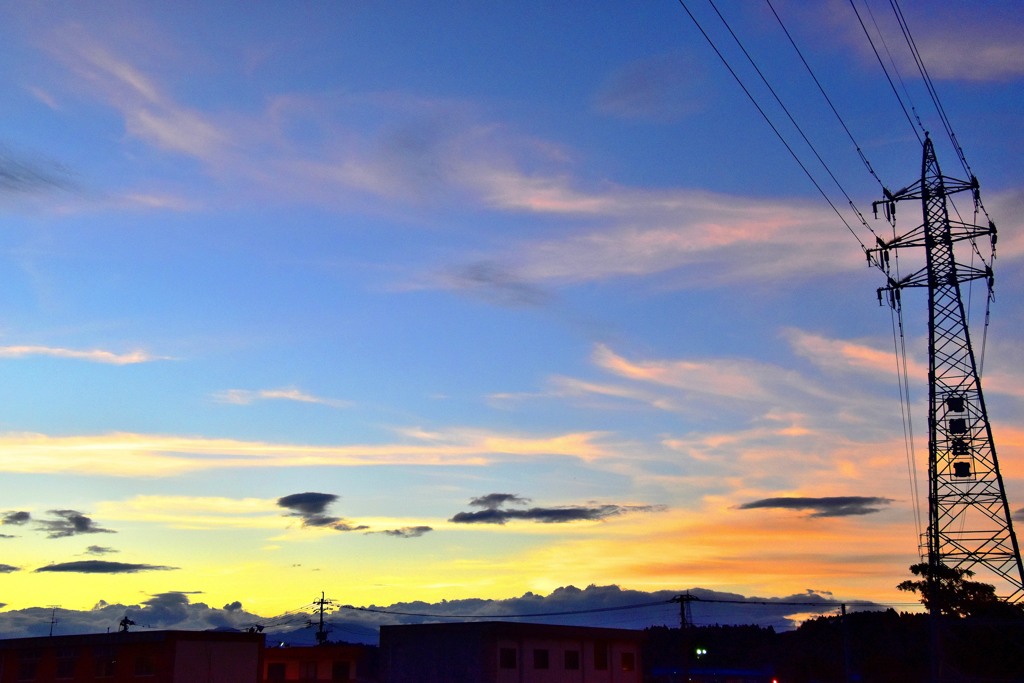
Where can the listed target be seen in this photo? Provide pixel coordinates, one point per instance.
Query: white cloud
(91, 355)
(247, 397)
(145, 455)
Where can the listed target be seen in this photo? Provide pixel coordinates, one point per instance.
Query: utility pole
(321, 631)
(685, 626)
(969, 523)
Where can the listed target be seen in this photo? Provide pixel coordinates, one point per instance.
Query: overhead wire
(914, 120)
(819, 605)
(821, 89)
(888, 77)
(895, 67)
(932, 92)
(793, 121)
(954, 141)
(899, 338)
(771, 124)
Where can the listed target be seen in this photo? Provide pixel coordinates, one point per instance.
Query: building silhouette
(504, 652)
(136, 657)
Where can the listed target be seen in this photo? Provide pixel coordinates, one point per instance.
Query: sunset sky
(439, 300)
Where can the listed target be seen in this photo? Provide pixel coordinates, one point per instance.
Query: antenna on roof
(53, 617)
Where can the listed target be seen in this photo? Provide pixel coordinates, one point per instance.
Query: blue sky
(289, 293)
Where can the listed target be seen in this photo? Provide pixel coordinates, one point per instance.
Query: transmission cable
(824, 94)
(934, 94)
(885, 71)
(903, 382)
(792, 120)
(771, 125)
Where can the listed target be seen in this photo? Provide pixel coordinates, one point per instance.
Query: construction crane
(969, 522)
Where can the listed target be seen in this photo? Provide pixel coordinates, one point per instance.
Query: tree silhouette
(949, 590)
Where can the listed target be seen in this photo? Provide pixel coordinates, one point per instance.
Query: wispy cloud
(689, 238)
(663, 88)
(99, 550)
(92, 356)
(149, 112)
(194, 512)
(20, 174)
(846, 355)
(246, 397)
(407, 531)
(418, 153)
(963, 42)
(141, 455)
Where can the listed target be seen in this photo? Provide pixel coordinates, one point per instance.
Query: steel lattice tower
(968, 515)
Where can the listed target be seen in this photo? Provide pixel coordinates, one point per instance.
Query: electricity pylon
(968, 516)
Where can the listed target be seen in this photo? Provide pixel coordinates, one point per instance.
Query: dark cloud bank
(601, 604)
(15, 517)
(834, 506)
(311, 508)
(70, 523)
(495, 511)
(101, 567)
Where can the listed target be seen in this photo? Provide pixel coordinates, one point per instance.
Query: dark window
(144, 666)
(340, 671)
(66, 659)
(308, 670)
(601, 656)
(629, 661)
(507, 658)
(540, 659)
(572, 660)
(28, 664)
(104, 661)
(275, 671)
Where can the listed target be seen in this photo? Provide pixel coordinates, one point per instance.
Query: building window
(540, 659)
(341, 671)
(275, 671)
(28, 665)
(66, 658)
(307, 670)
(507, 658)
(601, 656)
(629, 661)
(144, 666)
(572, 660)
(104, 661)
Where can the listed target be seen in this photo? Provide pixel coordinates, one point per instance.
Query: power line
(821, 89)
(793, 121)
(772, 125)
(881, 63)
(757, 603)
(932, 92)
